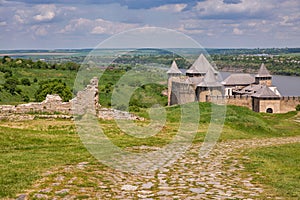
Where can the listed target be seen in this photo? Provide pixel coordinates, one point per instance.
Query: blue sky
(50, 24)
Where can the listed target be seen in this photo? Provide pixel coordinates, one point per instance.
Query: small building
(265, 100)
(236, 82)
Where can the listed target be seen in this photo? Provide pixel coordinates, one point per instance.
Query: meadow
(278, 169)
(31, 148)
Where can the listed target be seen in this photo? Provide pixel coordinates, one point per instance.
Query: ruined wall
(288, 104)
(86, 101)
(52, 104)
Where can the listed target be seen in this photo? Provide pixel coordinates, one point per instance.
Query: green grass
(278, 168)
(28, 151)
(30, 148)
(242, 123)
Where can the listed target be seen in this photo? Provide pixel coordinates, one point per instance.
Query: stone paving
(219, 175)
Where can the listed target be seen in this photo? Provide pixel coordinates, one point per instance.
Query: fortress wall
(182, 93)
(288, 104)
(232, 100)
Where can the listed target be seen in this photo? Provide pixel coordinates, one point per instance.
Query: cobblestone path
(218, 176)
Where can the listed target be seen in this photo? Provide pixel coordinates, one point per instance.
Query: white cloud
(40, 30)
(237, 31)
(21, 16)
(218, 9)
(290, 20)
(46, 12)
(171, 7)
(97, 26)
(98, 30)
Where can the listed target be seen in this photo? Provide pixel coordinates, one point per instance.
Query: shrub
(25, 98)
(298, 107)
(53, 87)
(11, 85)
(25, 81)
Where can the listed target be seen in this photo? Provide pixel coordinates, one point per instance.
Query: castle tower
(173, 72)
(210, 86)
(263, 77)
(265, 100)
(200, 67)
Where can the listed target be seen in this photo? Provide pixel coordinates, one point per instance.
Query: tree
(11, 85)
(53, 87)
(298, 107)
(6, 59)
(25, 98)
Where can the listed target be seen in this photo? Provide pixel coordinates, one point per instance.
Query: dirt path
(217, 176)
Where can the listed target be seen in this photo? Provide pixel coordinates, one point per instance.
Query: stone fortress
(202, 83)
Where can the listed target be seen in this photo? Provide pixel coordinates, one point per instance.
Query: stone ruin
(53, 106)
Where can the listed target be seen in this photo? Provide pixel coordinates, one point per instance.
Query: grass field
(278, 169)
(30, 148)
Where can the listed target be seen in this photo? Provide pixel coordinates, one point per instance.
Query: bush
(25, 98)
(7, 74)
(11, 85)
(298, 107)
(53, 87)
(25, 81)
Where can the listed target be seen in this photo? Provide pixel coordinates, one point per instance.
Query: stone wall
(87, 100)
(262, 105)
(232, 100)
(52, 104)
(282, 105)
(288, 104)
(182, 93)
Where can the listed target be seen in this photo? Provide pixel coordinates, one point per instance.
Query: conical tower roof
(265, 92)
(263, 71)
(210, 79)
(200, 66)
(174, 69)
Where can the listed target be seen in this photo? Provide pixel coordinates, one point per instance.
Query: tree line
(8, 62)
(12, 82)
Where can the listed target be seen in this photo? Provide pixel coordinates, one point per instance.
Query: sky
(55, 24)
